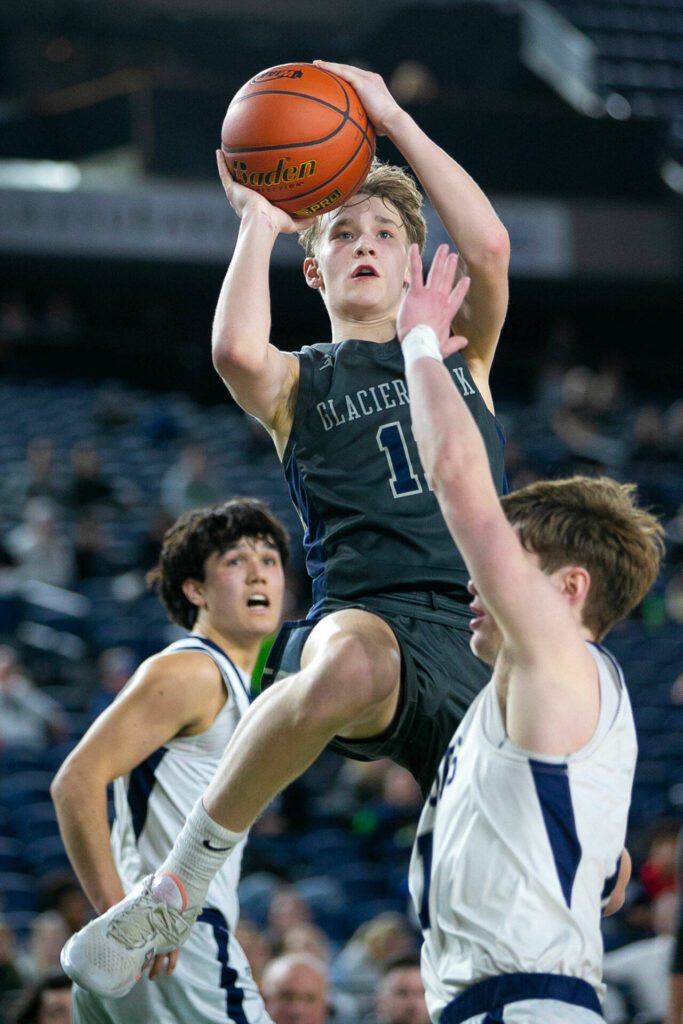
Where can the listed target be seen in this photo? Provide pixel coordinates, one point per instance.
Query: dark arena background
(114, 239)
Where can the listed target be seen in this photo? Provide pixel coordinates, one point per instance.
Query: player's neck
(243, 651)
(379, 330)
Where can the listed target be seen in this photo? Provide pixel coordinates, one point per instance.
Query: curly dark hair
(198, 534)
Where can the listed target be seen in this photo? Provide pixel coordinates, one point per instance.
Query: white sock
(200, 850)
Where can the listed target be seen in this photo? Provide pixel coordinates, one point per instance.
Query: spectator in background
(255, 946)
(401, 995)
(47, 1002)
(35, 477)
(10, 975)
(187, 483)
(658, 871)
(115, 666)
(359, 967)
(648, 435)
(28, 717)
(307, 938)
(587, 420)
(675, 980)
(61, 892)
(311, 940)
(39, 547)
(48, 934)
(636, 975)
(88, 488)
(295, 989)
(92, 550)
(287, 908)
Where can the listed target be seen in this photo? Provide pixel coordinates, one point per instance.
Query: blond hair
(594, 523)
(391, 184)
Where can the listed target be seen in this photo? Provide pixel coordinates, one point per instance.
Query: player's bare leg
(348, 686)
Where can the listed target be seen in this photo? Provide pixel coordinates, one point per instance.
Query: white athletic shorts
(539, 1011)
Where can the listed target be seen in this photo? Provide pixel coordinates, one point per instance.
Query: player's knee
(350, 676)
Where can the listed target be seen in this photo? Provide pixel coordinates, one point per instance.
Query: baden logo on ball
(298, 135)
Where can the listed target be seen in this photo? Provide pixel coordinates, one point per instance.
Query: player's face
(243, 588)
(403, 999)
(486, 638)
(297, 997)
(363, 258)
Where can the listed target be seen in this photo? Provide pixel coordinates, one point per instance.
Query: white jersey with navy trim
(515, 852)
(212, 983)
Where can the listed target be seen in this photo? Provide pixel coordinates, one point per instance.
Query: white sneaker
(108, 956)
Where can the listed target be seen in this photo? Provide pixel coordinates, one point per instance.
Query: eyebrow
(378, 220)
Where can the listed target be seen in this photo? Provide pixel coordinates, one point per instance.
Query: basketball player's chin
(483, 644)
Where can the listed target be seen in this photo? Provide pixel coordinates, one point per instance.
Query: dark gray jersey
(371, 523)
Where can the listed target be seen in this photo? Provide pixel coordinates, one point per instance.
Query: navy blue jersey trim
(140, 786)
(314, 530)
(610, 883)
(215, 647)
(610, 657)
(234, 995)
(491, 995)
(552, 786)
(504, 485)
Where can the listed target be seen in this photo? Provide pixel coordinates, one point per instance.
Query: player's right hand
(242, 198)
(435, 301)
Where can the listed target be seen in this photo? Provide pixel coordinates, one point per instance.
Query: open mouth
(365, 270)
(258, 601)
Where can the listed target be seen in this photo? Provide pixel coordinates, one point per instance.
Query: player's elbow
(60, 787)
(494, 249)
(67, 784)
(231, 354)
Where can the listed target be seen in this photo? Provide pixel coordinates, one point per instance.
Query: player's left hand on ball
(164, 963)
(372, 91)
(435, 302)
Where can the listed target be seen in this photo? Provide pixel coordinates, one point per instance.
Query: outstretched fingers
(415, 264)
(442, 271)
(457, 295)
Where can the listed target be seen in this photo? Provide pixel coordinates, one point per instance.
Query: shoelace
(147, 919)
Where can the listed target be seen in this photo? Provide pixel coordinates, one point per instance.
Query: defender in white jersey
(220, 575)
(519, 846)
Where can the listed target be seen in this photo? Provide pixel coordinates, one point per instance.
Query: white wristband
(420, 341)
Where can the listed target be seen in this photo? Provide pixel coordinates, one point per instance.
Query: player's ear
(312, 273)
(576, 583)
(194, 592)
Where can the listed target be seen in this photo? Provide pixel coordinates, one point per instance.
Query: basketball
(299, 136)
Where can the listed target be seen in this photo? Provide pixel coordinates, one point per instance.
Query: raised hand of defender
(240, 197)
(372, 91)
(435, 302)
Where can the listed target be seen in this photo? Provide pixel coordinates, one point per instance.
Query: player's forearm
(461, 205)
(81, 809)
(241, 327)
(451, 448)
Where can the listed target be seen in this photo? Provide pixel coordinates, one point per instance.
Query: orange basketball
(299, 136)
